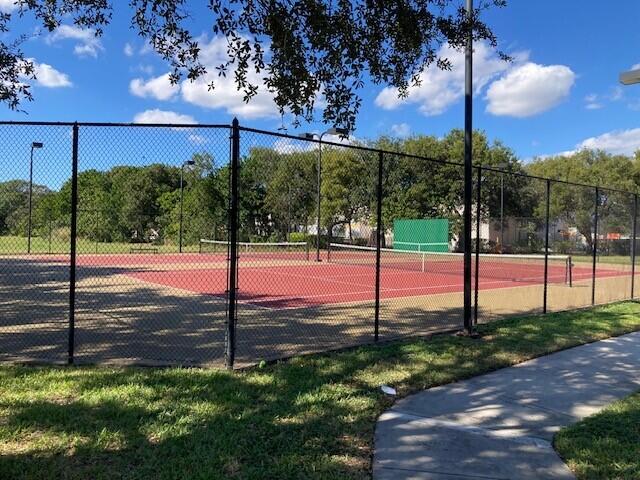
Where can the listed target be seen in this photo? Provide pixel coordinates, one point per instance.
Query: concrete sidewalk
(501, 425)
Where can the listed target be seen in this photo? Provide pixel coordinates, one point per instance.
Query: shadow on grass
(310, 417)
(606, 445)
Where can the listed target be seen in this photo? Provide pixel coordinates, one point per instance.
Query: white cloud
(634, 105)
(616, 93)
(197, 139)
(88, 44)
(47, 76)
(225, 94)
(592, 102)
(529, 89)
(439, 89)
(8, 6)
(163, 116)
(636, 66)
(128, 50)
(159, 88)
(401, 129)
(622, 142)
(290, 145)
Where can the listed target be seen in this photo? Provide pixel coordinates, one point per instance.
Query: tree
(14, 197)
(204, 207)
(300, 50)
(420, 188)
(346, 188)
(291, 191)
(575, 205)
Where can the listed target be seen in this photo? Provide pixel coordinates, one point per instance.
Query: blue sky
(560, 93)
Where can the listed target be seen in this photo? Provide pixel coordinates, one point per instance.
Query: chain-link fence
(226, 245)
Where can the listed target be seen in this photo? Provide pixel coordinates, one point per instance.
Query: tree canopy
(575, 205)
(278, 186)
(302, 51)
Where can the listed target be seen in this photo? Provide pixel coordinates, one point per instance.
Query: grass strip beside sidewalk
(309, 417)
(605, 445)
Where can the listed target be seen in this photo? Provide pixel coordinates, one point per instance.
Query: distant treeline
(278, 192)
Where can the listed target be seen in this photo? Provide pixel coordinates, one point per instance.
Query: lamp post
(630, 78)
(34, 145)
(331, 131)
(188, 162)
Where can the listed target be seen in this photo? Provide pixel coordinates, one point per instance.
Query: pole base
(464, 333)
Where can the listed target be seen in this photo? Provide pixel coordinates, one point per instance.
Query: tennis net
(516, 268)
(269, 249)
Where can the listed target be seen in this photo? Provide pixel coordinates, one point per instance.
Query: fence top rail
(350, 146)
(485, 168)
(115, 124)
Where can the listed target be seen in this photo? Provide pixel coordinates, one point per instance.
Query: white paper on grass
(388, 390)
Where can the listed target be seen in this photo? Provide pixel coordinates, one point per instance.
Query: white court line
(370, 288)
(382, 289)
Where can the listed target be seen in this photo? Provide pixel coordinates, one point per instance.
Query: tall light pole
(34, 145)
(331, 131)
(468, 167)
(188, 162)
(631, 78)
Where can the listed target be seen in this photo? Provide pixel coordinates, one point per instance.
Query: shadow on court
(120, 319)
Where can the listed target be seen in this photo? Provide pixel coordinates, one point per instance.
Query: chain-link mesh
(512, 258)
(421, 268)
(613, 260)
(572, 213)
(34, 242)
(335, 245)
(146, 197)
(294, 296)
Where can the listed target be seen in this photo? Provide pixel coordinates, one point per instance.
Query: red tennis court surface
(317, 284)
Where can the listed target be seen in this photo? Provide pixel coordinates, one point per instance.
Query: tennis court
(161, 308)
(345, 273)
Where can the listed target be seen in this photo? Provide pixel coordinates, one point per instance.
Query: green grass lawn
(309, 417)
(611, 259)
(18, 245)
(606, 445)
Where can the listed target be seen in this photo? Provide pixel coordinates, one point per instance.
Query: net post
(378, 243)
(594, 247)
(477, 257)
(73, 245)
(546, 245)
(633, 243)
(230, 334)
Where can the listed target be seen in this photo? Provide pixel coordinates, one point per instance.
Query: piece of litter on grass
(388, 390)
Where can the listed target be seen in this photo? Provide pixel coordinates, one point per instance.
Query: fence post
(50, 233)
(633, 243)
(96, 227)
(73, 246)
(546, 246)
(477, 259)
(230, 334)
(379, 233)
(595, 247)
